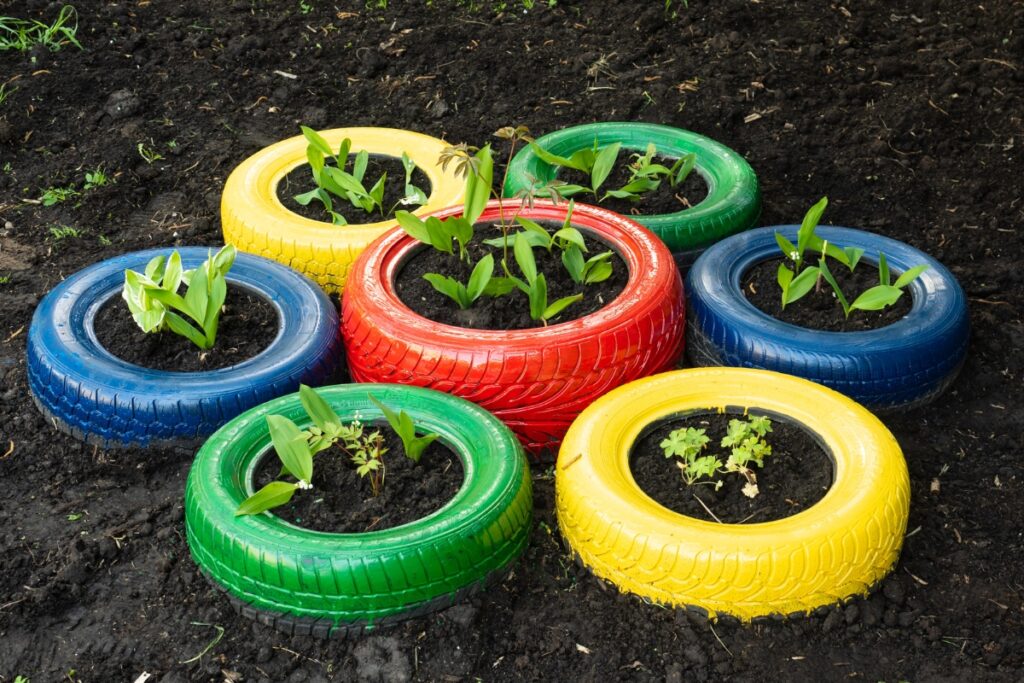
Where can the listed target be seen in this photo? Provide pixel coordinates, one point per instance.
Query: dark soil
(511, 311)
(343, 502)
(247, 325)
(300, 180)
(906, 114)
(820, 309)
(795, 476)
(665, 199)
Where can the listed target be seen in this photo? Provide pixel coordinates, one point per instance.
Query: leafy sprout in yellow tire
(837, 548)
(256, 221)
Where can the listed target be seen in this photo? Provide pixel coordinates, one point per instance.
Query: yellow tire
(255, 220)
(835, 549)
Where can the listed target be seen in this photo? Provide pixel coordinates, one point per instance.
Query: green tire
(733, 202)
(306, 582)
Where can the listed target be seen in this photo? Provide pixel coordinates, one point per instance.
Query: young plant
(56, 195)
(644, 167)
(94, 179)
(296, 461)
(594, 162)
(465, 294)
(152, 296)
(24, 34)
(535, 285)
(745, 438)
(885, 293)
(148, 154)
(406, 430)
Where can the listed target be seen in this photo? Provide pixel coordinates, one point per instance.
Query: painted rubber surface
(256, 221)
(896, 367)
(99, 398)
(835, 549)
(733, 202)
(536, 380)
(310, 582)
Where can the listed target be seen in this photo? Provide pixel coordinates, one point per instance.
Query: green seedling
(885, 293)
(465, 294)
(152, 296)
(535, 285)
(94, 179)
(296, 461)
(56, 195)
(148, 154)
(745, 438)
(24, 34)
(5, 93)
(63, 232)
(333, 181)
(4, 279)
(644, 167)
(406, 430)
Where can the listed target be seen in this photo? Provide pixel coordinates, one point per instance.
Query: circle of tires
(256, 221)
(307, 582)
(897, 367)
(96, 397)
(837, 548)
(733, 202)
(536, 380)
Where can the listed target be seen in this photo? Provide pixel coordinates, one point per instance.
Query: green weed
(24, 34)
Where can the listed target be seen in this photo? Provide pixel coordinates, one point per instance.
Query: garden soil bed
(906, 114)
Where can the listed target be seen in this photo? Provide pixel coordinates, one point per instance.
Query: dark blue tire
(96, 397)
(897, 367)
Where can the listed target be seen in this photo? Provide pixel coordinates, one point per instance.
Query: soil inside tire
(666, 199)
(342, 502)
(248, 324)
(512, 311)
(819, 309)
(300, 180)
(796, 475)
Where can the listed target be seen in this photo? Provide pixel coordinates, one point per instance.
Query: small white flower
(409, 199)
(304, 485)
(750, 490)
(794, 255)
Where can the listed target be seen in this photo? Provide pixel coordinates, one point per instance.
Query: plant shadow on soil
(888, 113)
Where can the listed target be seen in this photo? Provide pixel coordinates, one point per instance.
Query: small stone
(851, 613)
(831, 621)
(122, 103)
(892, 589)
(906, 618)
(695, 655)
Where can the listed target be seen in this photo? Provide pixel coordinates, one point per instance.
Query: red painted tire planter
(536, 380)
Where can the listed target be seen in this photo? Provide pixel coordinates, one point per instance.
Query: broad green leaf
(533, 238)
(377, 191)
(155, 268)
(557, 307)
(538, 297)
(181, 327)
(150, 320)
(876, 298)
(359, 165)
(536, 229)
(783, 276)
(172, 273)
(316, 140)
(884, 276)
(461, 230)
(621, 194)
(480, 276)
(344, 147)
(393, 418)
(167, 298)
(787, 247)
(910, 275)
(810, 222)
(499, 286)
(853, 255)
(450, 288)
(827, 274)
(272, 495)
(685, 166)
(413, 195)
(338, 219)
(597, 271)
(572, 259)
(478, 185)
(639, 186)
(801, 285)
(567, 223)
(603, 165)
(829, 249)
(556, 160)
(316, 162)
(291, 447)
(318, 409)
(566, 190)
(413, 226)
(571, 236)
(409, 165)
(197, 296)
(440, 234)
(584, 159)
(218, 292)
(524, 257)
(414, 449)
(306, 197)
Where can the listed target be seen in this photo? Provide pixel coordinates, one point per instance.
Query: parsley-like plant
(744, 438)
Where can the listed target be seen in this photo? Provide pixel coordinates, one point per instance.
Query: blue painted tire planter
(897, 367)
(96, 397)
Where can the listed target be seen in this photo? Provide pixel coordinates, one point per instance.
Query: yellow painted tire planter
(256, 221)
(835, 549)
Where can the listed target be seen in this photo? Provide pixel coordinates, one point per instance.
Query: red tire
(536, 380)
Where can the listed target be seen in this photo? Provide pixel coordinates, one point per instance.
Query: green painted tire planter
(306, 582)
(733, 202)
